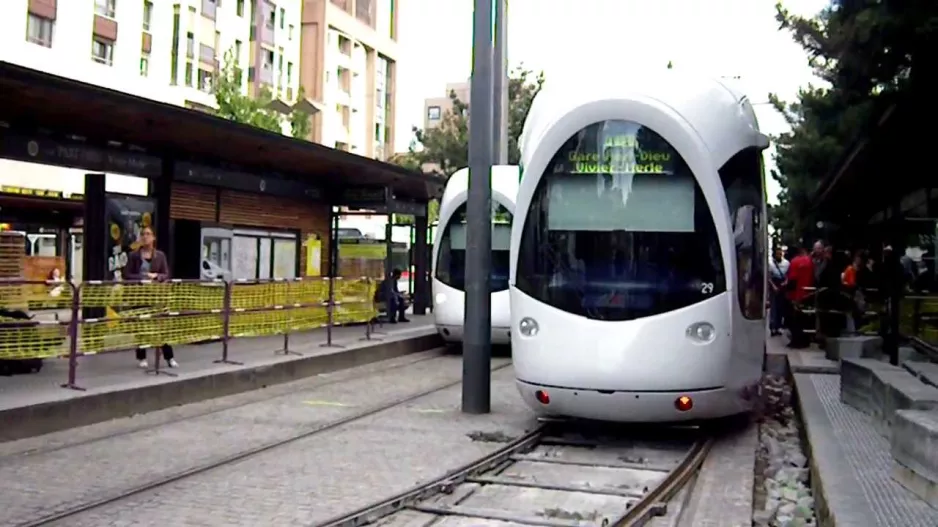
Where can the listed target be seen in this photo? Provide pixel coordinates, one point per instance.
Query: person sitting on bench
(393, 299)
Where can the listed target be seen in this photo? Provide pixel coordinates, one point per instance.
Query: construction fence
(41, 320)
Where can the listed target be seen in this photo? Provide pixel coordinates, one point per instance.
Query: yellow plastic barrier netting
(36, 296)
(144, 331)
(354, 301)
(28, 339)
(170, 296)
(150, 314)
(46, 334)
(277, 307)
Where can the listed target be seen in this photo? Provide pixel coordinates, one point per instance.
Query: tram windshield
(451, 263)
(618, 228)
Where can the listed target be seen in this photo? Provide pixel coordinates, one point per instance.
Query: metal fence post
(330, 315)
(369, 325)
(72, 382)
(288, 309)
(226, 326)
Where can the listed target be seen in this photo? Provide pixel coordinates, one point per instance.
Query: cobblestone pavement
(331, 473)
(43, 482)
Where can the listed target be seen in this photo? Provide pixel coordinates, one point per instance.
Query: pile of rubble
(784, 465)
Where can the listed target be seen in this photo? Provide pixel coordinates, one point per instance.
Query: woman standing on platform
(149, 263)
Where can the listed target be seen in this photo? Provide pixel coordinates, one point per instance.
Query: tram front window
(451, 266)
(618, 228)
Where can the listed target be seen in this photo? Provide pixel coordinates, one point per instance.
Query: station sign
(75, 154)
(39, 193)
(196, 173)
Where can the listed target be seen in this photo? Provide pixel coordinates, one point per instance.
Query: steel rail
(654, 503)
(234, 458)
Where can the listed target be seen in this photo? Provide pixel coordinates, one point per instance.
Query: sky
(565, 37)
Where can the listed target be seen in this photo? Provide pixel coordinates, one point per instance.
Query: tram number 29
(706, 288)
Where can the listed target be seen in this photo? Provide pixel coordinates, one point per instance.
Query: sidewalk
(116, 387)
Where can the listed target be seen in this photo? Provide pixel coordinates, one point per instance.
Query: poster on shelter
(126, 218)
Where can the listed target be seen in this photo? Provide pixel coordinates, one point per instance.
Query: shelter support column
(421, 261)
(94, 232)
(161, 189)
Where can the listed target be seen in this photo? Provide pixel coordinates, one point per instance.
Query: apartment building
(165, 50)
(435, 107)
(349, 50)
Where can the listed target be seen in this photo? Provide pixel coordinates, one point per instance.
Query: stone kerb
(854, 347)
(879, 390)
(915, 453)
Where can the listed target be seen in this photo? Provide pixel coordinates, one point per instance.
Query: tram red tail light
(683, 403)
(542, 397)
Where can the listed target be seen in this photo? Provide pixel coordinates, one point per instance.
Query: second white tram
(449, 254)
(638, 251)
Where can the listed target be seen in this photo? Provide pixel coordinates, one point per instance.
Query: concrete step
(914, 446)
(854, 347)
(880, 389)
(927, 372)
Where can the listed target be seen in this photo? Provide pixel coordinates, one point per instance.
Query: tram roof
(705, 103)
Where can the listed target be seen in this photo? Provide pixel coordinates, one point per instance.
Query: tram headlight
(440, 298)
(528, 327)
(702, 332)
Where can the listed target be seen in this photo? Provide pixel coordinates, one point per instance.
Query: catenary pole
(500, 82)
(477, 338)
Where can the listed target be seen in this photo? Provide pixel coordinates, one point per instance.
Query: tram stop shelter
(203, 172)
(883, 192)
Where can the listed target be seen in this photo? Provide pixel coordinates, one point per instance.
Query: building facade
(349, 68)
(169, 51)
(435, 107)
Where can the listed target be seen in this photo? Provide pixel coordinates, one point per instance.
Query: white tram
(449, 254)
(638, 251)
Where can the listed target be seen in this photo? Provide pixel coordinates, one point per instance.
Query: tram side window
(743, 181)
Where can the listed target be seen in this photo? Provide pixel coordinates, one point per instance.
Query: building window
(39, 30)
(237, 52)
(174, 55)
(105, 7)
(190, 45)
(283, 18)
(205, 80)
(147, 15)
(379, 97)
(289, 74)
(188, 73)
(272, 17)
(433, 113)
(102, 51)
(290, 33)
(268, 59)
(144, 64)
(377, 131)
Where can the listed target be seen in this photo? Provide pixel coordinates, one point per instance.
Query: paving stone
(915, 450)
(852, 464)
(722, 496)
(48, 481)
(334, 472)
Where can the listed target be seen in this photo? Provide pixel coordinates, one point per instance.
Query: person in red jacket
(800, 275)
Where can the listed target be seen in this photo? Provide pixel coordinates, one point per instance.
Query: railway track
(553, 478)
(63, 516)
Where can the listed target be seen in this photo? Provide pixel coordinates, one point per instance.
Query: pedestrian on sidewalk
(149, 263)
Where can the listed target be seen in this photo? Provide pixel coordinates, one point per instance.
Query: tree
(444, 149)
(300, 125)
(237, 106)
(862, 51)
